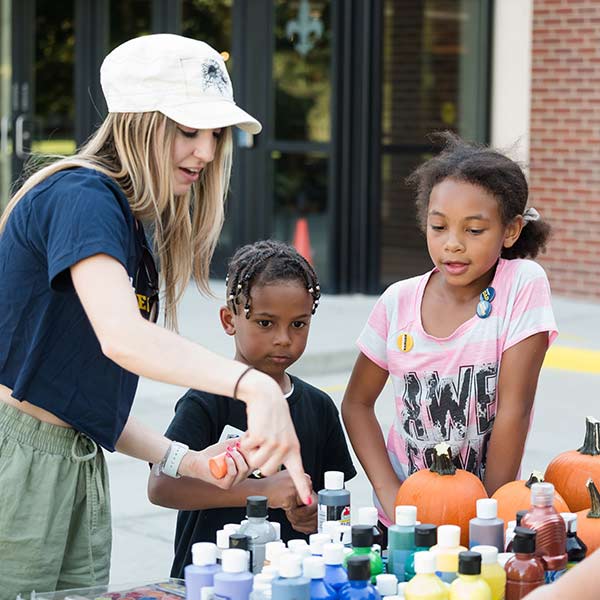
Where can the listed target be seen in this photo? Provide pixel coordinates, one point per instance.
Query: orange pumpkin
(588, 521)
(443, 495)
(516, 495)
(570, 470)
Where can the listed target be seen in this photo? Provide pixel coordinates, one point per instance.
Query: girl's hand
(303, 518)
(387, 498)
(195, 464)
(271, 440)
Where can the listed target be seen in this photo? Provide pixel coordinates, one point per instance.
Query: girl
(464, 343)
(79, 301)
(272, 294)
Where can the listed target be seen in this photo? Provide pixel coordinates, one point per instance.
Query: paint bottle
(359, 575)
(401, 539)
(486, 529)
(222, 543)
(510, 530)
(277, 528)
(207, 593)
(469, 585)
(234, 582)
(202, 571)
(300, 547)
(241, 541)
(386, 584)
(261, 588)
(316, 541)
(290, 585)
(367, 515)
(446, 552)
(313, 568)
(524, 570)
(425, 585)
(333, 501)
(258, 529)
(425, 538)
(272, 550)
(550, 528)
(333, 557)
(491, 571)
(362, 545)
(576, 549)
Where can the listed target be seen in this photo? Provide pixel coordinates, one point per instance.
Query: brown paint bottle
(524, 570)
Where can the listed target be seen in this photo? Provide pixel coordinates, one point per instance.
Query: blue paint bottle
(335, 574)
(234, 582)
(359, 586)
(313, 568)
(290, 585)
(202, 571)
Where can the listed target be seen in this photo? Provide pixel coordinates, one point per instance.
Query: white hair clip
(531, 215)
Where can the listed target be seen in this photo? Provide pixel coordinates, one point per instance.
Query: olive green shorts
(55, 529)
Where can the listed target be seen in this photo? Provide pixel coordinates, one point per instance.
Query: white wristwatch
(172, 459)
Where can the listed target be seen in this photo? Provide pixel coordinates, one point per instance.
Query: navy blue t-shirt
(49, 353)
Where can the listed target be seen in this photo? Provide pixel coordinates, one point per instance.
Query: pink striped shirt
(445, 388)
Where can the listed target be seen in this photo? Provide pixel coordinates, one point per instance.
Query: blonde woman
(79, 297)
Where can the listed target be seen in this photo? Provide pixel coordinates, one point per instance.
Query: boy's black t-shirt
(199, 420)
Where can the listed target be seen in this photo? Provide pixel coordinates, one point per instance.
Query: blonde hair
(135, 149)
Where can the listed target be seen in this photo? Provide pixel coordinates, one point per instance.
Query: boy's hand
(195, 464)
(281, 490)
(302, 517)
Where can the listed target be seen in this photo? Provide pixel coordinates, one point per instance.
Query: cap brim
(213, 115)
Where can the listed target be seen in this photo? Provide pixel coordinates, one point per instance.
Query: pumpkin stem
(442, 460)
(595, 496)
(535, 477)
(591, 443)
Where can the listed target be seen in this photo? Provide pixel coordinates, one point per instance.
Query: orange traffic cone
(302, 239)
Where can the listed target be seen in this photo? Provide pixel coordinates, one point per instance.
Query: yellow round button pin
(405, 342)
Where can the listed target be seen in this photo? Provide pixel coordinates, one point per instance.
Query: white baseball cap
(184, 79)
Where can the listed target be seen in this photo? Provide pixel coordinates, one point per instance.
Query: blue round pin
(488, 294)
(484, 309)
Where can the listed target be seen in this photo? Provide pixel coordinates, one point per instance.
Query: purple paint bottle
(234, 582)
(202, 571)
(486, 529)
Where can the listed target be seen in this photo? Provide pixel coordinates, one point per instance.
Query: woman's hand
(195, 464)
(271, 440)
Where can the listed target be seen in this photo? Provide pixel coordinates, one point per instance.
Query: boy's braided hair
(264, 262)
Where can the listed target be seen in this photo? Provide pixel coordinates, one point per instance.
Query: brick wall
(565, 140)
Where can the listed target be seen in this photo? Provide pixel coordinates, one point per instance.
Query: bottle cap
(344, 534)
(316, 541)
(362, 536)
(387, 584)
(334, 480)
(270, 570)
(425, 535)
(290, 565)
(406, 515)
(207, 593)
(448, 536)
(542, 494)
(222, 539)
(313, 567)
(231, 528)
(520, 515)
(425, 562)
(367, 515)
(489, 554)
(333, 554)
(277, 528)
(331, 529)
(570, 520)
(469, 563)
(524, 540)
(256, 506)
(239, 540)
(204, 553)
(298, 546)
(273, 549)
(234, 561)
(487, 508)
(263, 579)
(359, 568)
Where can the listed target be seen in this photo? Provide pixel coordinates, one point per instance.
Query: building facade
(347, 91)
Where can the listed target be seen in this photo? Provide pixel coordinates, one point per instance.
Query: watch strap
(173, 458)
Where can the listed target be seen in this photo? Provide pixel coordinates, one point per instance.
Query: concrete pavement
(567, 392)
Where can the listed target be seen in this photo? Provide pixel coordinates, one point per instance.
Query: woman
(79, 301)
